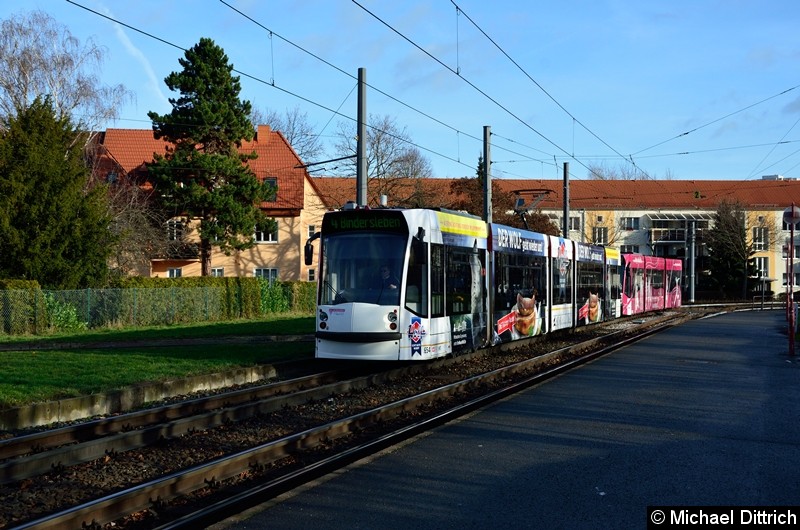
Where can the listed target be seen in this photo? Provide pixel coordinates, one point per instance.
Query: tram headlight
(323, 320)
(392, 318)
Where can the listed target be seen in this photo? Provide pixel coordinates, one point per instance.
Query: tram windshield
(363, 267)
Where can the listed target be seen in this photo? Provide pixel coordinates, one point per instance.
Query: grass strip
(35, 375)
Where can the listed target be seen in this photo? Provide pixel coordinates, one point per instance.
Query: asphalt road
(704, 414)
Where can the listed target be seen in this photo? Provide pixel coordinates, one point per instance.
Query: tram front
(361, 282)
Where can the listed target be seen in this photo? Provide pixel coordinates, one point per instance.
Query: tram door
(465, 296)
(613, 285)
(590, 287)
(633, 284)
(654, 282)
(562, 283)
(674, 269)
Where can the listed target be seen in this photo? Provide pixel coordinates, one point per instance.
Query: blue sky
(685, 89)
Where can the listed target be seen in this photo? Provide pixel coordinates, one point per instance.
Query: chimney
(262, 131)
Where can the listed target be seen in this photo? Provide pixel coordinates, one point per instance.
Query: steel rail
(220, 410)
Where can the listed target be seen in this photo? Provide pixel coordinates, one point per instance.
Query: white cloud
(153, 84)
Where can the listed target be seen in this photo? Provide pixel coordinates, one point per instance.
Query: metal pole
(791, 284)
(361, 140)
(487, 216)
(487, 174)
(565, 224)
(691, 261)
(786, 267)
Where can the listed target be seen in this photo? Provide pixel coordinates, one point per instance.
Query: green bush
(274, 297)
(303, 297)
(63, 316)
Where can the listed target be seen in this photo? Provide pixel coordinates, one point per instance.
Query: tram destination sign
(364, 220)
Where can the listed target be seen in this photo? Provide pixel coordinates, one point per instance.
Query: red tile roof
(606, 194)
(131, 149)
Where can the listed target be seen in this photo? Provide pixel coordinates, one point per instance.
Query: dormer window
(273, 183)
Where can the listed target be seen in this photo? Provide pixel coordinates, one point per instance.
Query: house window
(264, 236)
(629, 223)
(785, 252)
(219, 272)
(312, 229)
(267, 274)
(760, 238)
(312, 276)
(174, 230)
(575, 223)
(599, 218)
(629, 249)
(600, 235)
(762, 266)
(174, 272)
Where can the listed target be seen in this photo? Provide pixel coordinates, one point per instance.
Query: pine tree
(730, 253)
(53, 226)
(204, 177)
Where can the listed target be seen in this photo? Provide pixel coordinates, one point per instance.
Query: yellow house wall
(286, 254)
(311, 215)
(773, 221)
(591, 222)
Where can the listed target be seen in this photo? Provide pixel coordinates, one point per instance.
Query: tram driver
(388, 279)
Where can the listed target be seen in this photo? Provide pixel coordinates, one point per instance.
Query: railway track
(37, 453)
(225, 452)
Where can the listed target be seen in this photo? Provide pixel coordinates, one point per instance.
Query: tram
(419, 284)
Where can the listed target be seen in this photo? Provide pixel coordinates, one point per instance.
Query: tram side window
(562, 281)
(518, 275)
(613, 291)
(437, 280)
(615, 282)
(417, 282)
(656, 279)
(535, 278)
(459, 282)
(504, 297)
(633, 281)
(590, 279)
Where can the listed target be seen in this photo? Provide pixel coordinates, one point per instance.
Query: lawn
(56, 367)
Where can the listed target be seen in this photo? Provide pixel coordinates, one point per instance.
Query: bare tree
(295, 127)
(391, 157)
(39, 57)
(603, 171)
(625, 171)
(136, 223)
(412, 164)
